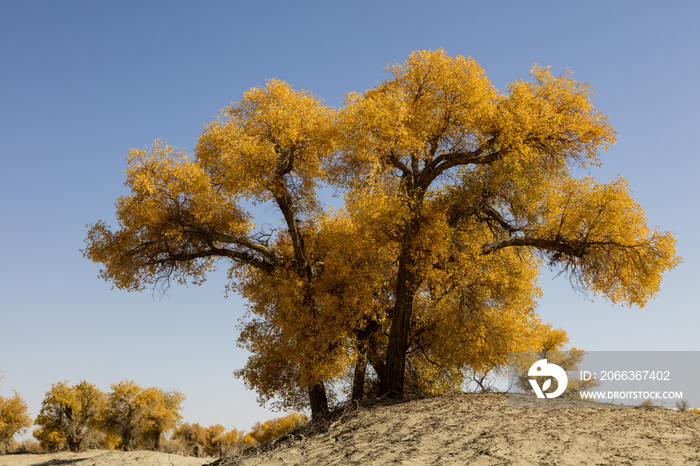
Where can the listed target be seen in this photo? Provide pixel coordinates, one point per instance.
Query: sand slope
(101, 458)
(474, 429)
(481, 429)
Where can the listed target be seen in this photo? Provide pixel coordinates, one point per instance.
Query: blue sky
(83, 82)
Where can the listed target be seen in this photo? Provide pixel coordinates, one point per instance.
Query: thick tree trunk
(407, 283)
(394, 370)
(318, 400)
(73, 445)
(128, 434)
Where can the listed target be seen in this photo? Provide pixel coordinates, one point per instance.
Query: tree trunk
(407, 282)
(318, 400)
(358, 379)
(394, 370)
(128, 437)
(376, 358)
(365, 338)
(73, 445)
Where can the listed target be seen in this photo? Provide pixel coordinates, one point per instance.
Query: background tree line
(81, 416)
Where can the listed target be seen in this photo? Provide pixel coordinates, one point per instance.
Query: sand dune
(480, 429)
(475, 429)
(101, 458)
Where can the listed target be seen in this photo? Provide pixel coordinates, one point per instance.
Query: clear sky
(83, 82)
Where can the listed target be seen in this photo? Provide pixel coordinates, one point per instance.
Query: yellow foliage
(193, 436)
(549, 344)
(50, 440)
(173, 203)
(13, 418)
(69, 415)
(275, 428)
(273, 129)
(296, 342)
(161, 413)
(471, 313)
(456, 194)
(138, 416)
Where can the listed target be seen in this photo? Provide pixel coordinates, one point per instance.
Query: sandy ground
(479, 429)
(473, 429)
(101, 458)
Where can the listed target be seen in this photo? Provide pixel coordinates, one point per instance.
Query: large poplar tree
(456, 194)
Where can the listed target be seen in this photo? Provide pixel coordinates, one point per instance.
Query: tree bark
(394, 371)
(376, 358)
(364, 338)
(392, 382)
(358, 379)
(126, 440)
(318, 400)
(73, 445)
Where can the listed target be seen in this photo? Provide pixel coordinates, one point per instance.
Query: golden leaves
(273, 131)
(613, 251)
(67, 413)
(274, 428)
(172, 206)
(553, 116)
(463, 187)
(13, 417)
(434, 104)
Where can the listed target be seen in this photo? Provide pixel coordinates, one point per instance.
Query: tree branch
(444, 162)
(239, 256)
(239, 240)
(397, 163)
(572, 248)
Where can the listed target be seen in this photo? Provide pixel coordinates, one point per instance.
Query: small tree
(682, 405)
(123, 413)
(275, 428)
(13, 418)
(139, 416)
(213, 439)
(161, 413)
(193, 437)
(232, 441)
(68, 415)
(551, 348)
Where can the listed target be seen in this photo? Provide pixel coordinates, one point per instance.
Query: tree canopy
(68, 415)
(13, 419)
(456, 194)
(135, 414)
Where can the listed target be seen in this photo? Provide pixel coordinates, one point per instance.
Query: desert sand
(102, 458)
(480, 429)
(474, 429)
